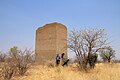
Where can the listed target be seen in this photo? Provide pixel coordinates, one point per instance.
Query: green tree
(107, 54)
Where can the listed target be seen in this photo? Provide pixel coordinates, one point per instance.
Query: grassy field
(101, 72)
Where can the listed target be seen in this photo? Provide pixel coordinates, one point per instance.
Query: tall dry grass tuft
(101, 72)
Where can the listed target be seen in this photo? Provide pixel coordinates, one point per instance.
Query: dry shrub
(21, 59)
(22, 68)
(15, 63)
(7, 71)
(2, 57)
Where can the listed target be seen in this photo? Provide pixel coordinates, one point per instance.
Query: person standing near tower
(57, 60)
(64, 60)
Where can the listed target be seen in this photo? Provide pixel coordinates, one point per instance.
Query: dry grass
(101, 72)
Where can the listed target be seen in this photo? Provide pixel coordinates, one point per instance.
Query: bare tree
(84, 43)
(107, 54)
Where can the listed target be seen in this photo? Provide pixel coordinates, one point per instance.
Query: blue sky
(20, 18)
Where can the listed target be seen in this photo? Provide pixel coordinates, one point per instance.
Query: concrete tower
(51, 39)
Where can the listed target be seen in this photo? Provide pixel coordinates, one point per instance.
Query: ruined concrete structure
(51, 39)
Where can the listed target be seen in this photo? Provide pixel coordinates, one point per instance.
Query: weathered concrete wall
(51, 39)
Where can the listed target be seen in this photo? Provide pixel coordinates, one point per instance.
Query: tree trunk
(109, 60)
